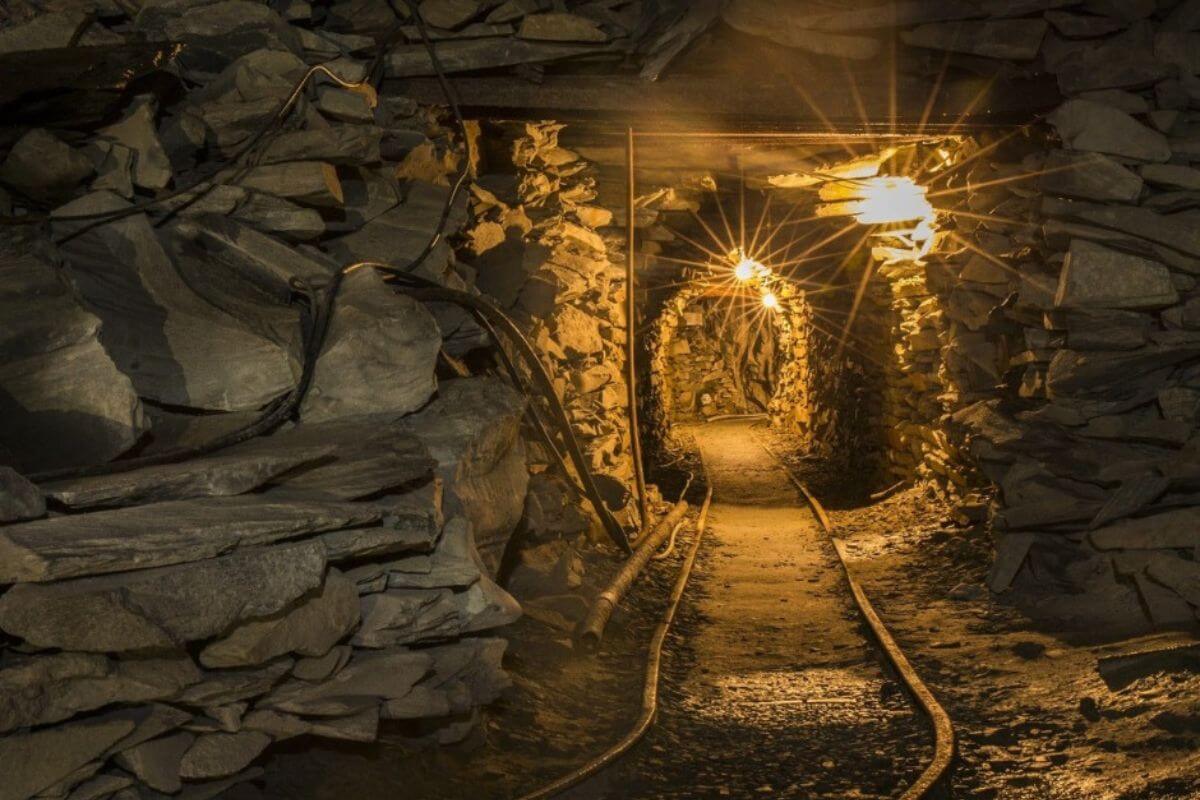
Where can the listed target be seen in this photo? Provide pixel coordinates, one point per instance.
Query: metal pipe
(635, 436)
(592, 629)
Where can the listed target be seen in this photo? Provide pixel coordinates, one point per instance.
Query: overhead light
(770, 301)
(746, 268)
(877, 201)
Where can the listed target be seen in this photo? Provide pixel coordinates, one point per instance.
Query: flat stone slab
(64, 402)
(41, 689)
(163, 534)
(309, 629)
(1172, 530)
(163, 607)
(1095, 276)
(232, 471)
(366, 681)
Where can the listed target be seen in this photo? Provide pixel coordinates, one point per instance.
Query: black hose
(424, 290)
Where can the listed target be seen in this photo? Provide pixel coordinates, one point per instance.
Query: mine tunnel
(599, 399)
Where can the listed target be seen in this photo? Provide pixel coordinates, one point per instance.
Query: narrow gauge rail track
(941, 726)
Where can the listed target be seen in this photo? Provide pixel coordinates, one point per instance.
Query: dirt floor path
(774, 690)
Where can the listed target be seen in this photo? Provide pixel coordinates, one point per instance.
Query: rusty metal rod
(592, 630)
(649, 683)
(635, 436)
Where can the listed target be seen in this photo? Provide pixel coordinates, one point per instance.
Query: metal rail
(943, 728)
(649, 685)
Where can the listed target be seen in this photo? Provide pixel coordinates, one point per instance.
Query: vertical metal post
(635, 436)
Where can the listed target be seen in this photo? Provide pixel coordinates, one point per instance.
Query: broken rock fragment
(43, 167)
(379, 353)
(309, 629)
(63, 401)
(151, 166)
(19, 499)
(1100, 128)
(1096, 276)
(161, 607)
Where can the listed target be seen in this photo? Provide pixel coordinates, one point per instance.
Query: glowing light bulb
(878, 201)
(770, 301)
(744, 270)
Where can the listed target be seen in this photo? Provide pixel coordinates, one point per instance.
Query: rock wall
(537, 248)
(161, 628)
(1056, 328)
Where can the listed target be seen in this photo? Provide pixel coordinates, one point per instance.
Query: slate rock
(177, 348)
(19, 499)
(1089, 176)
(368, 680)
(37, 760)
(379, 353)
(1171, 530)
(221, 687)
(1100, 128)
(162, 607)
(151, 166)
(407, 616)
(344, 105)
(1012, 39)
(561, 27)
(309, 629)
(99, 787)
(1083, 26)
(347, 145)
(1101, 374)
(167, 533)
(43, 167)
(472, 432)
(322, 667)
(62, 400)
(309, 183)
(232, 471)
(449, 14)
(763, 18)
(216, 755)
(370, 454)
(1094, 276)
(1177, 574)
(43, 32)
(279, 217)
(157, 762)
(1177, 176)
(1180, 231)
(1120, 62)
(45, 688)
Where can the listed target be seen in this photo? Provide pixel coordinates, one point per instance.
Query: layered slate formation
(160, 628)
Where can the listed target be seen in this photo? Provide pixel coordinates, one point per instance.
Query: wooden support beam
(767, 102)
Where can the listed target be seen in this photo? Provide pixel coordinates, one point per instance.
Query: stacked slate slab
(162, 627)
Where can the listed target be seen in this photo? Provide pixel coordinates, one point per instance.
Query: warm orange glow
(770, 301)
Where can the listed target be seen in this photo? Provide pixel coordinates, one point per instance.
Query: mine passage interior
(767, 295)
(605, 399)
